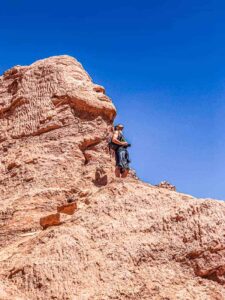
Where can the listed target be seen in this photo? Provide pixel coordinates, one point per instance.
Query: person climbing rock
(120, 145)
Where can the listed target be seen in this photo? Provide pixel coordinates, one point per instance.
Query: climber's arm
(115, 139)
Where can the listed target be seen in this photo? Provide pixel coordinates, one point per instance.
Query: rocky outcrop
(54, 124)
(166, 185)
(104, 237)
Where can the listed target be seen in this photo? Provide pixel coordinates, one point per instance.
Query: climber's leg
(125, 173)
(118, 163)
(122, 163)
(117, 171)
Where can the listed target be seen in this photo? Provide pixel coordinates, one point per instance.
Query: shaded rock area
(115, 238)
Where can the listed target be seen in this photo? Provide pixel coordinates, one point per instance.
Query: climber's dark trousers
(122, 158)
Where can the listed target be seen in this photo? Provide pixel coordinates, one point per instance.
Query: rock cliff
(127, 239)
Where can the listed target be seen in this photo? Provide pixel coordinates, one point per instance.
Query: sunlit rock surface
(124, 239)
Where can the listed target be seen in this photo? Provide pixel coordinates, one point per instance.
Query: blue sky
(163, 64)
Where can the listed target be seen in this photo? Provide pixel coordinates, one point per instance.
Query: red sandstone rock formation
(126, 239)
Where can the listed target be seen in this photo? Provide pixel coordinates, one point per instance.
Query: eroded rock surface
(121, 239)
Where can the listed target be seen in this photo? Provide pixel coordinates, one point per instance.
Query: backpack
(112, 145)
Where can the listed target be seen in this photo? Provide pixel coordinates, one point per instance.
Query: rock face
(54, 123)
(119, 238)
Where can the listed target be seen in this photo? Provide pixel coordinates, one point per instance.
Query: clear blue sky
(163, 64)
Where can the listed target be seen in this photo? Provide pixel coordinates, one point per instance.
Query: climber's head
(119, 127)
